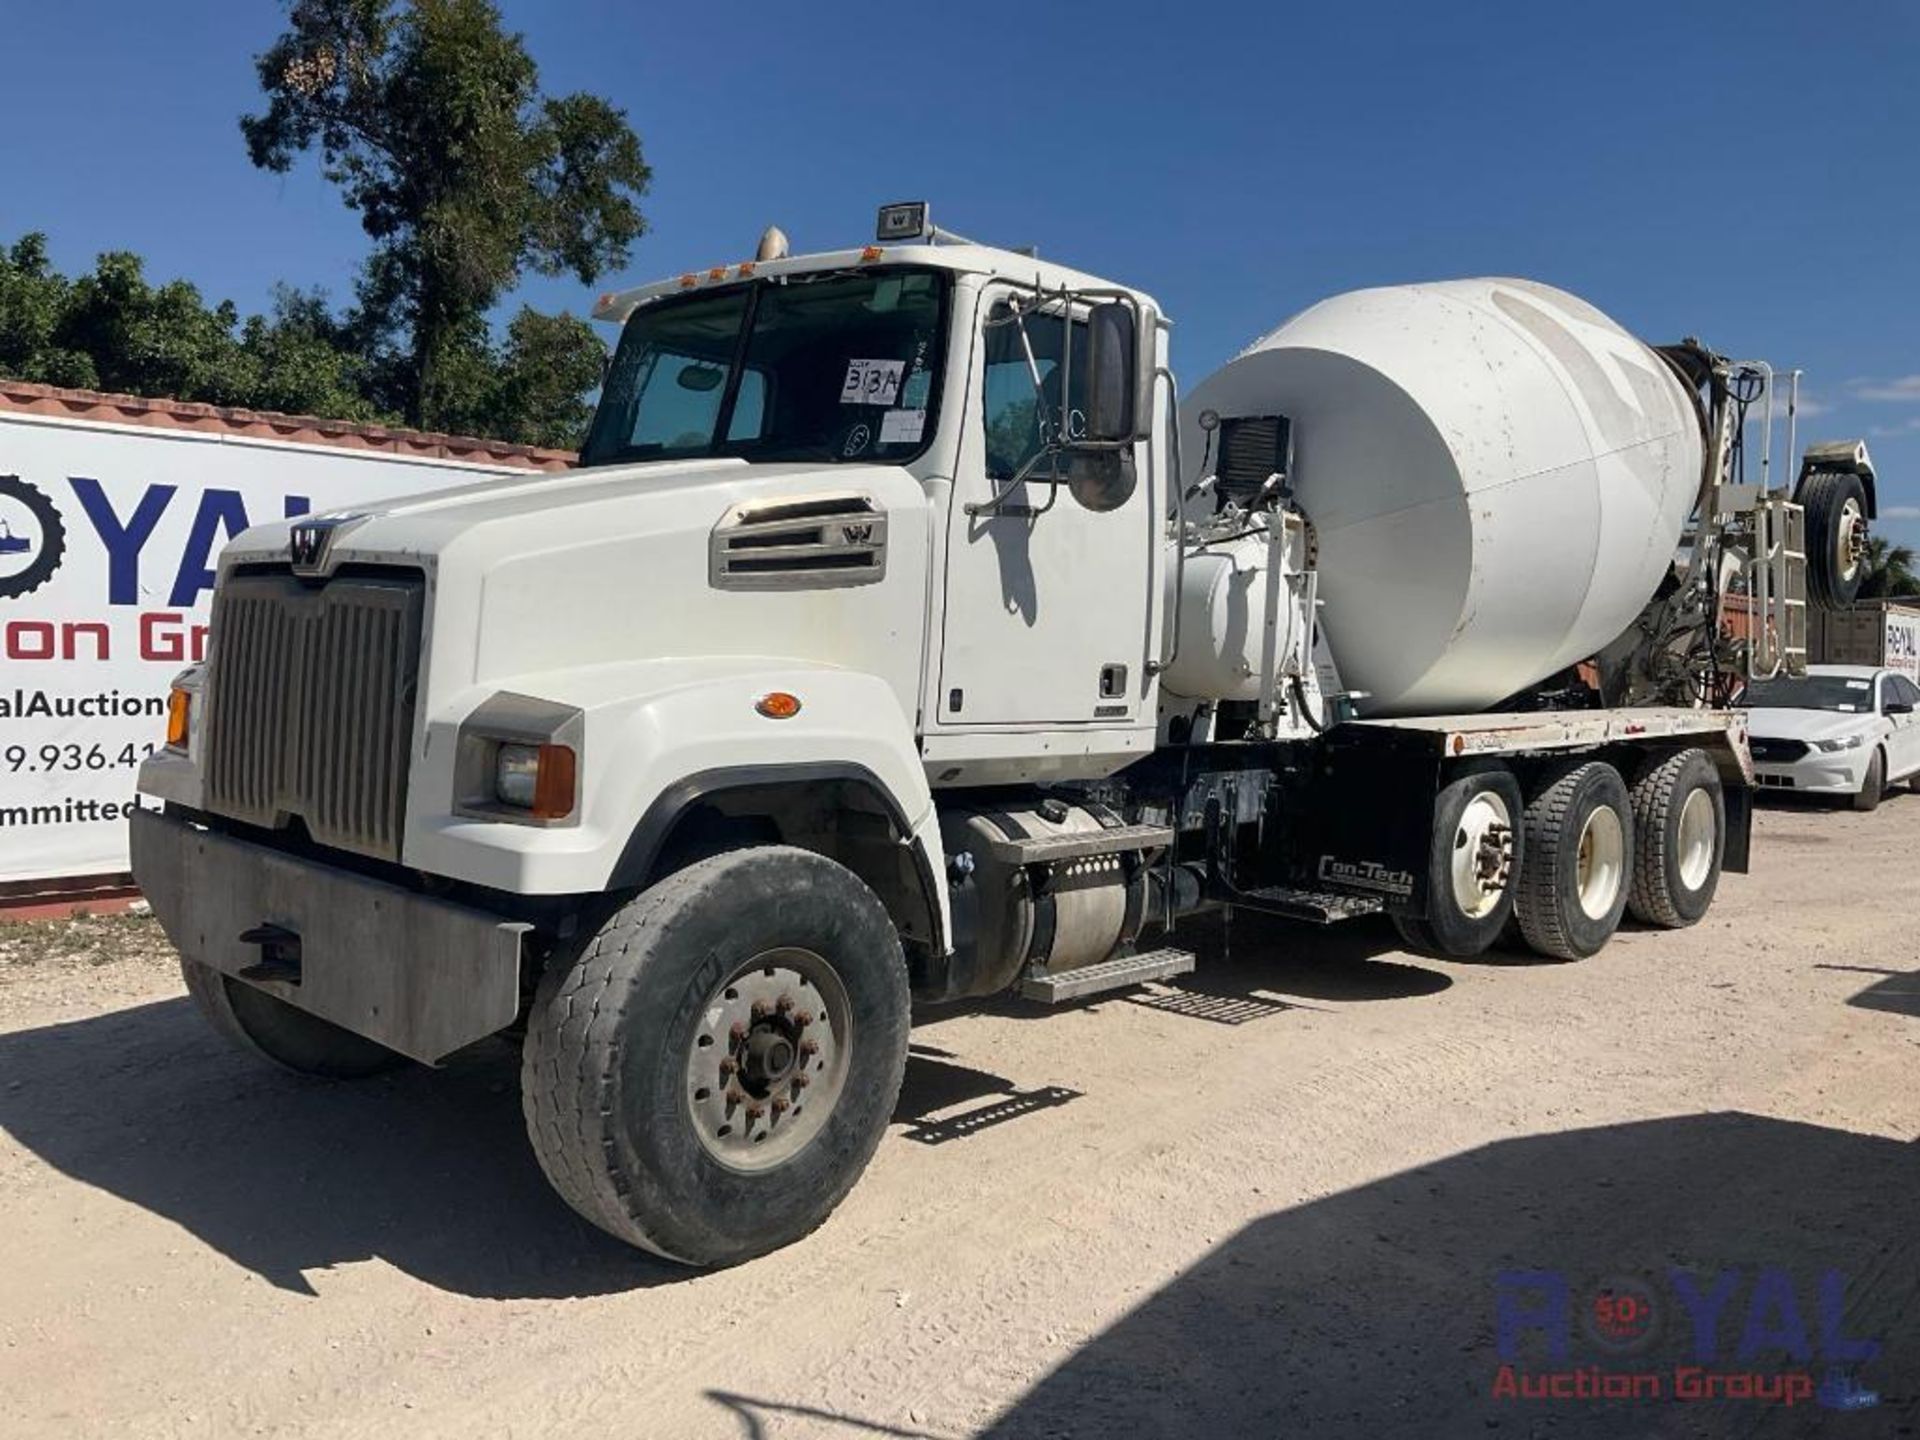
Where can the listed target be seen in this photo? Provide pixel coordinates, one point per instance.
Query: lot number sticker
(872, 382)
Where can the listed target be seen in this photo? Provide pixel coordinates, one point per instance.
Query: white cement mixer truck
(902, 637)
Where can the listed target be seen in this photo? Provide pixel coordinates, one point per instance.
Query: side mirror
(1112, 379)
(1897, 707)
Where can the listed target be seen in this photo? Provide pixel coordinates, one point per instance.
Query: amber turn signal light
(179, 713)
(554, 790)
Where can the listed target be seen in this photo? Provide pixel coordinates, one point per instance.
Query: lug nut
(727, 1067)
(784, 1004)
(738, 1032)
(779, 1107)
(754, 1112)
(799, 1082)
(809, 1048)
(803, 1018)
(759, 1011)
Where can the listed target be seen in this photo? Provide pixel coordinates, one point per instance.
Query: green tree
(33, 300)
(114, 330)
(429, 118)
(1889, 570)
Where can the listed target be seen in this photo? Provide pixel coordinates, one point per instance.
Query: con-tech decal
(1366, 875)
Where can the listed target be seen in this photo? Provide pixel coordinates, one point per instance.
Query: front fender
(651, 728)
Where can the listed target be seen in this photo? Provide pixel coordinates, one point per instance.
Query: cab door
(1048, 604)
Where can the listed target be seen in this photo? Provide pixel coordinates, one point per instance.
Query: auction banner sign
(109, 535)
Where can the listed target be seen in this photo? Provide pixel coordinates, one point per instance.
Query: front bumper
(1818, 772)
(420, 975)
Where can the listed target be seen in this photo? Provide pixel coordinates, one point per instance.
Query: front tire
(1578, 853)
(1874, 786)
(709, 1075)
(1679, 839)
(274, 1030)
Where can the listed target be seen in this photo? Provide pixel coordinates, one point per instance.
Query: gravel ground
(1277, 1199)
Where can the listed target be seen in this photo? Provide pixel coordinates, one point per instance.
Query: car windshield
(833, 366)
(1815, 692)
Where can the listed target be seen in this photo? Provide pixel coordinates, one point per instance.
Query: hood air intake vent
(809, 542)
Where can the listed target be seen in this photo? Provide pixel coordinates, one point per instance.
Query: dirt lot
(1276, 1200)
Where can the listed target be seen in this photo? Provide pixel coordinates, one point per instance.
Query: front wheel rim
(768, 1059)
(1696, 838)
(1602, 862)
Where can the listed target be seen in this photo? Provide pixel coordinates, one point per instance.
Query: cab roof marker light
(871, 252)
(689, 280)
(718, 272)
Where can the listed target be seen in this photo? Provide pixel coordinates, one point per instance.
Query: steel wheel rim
(1697, 827)
(767, 1062)
(1480, 862)
(1601, 865)
(1850, 540)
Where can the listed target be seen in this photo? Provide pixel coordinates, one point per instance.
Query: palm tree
(1889, 570)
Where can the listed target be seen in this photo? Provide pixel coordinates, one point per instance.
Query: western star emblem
(311, 541)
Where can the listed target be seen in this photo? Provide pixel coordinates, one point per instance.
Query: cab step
(1316, 907)
(1115, 974)
(1045, 849)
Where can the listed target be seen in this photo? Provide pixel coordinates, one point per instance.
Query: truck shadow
(941, 1101)
(428, 1170)
(1259, 967)
(1897, 992)
(1373, 1312)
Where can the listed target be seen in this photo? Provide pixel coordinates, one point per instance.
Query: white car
(1841, 730)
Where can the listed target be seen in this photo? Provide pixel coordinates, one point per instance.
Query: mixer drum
(1498, 476)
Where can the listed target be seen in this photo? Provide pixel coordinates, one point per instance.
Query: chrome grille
(310, 695)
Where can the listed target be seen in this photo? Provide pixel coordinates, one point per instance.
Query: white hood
(563, 571)
(1768, 723)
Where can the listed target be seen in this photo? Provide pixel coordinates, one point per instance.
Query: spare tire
(1836, 506)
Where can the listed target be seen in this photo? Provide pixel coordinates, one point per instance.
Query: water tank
(1496, 473)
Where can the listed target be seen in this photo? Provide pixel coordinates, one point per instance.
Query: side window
(1016, 418)
(1900, 688)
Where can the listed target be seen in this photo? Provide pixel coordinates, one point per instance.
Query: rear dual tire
(1680, 838)
(1578, 835)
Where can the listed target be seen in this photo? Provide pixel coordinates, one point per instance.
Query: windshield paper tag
(902, 427)
(872, 382)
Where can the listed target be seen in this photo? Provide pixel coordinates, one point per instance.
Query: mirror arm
(992, 506)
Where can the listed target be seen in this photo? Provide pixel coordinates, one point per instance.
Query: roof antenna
(773, 245)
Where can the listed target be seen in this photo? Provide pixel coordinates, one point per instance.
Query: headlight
(518, 759)
(535, 778)
(1845, 742)
(516, 775)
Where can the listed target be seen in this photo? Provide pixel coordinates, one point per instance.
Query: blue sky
(1744, 173)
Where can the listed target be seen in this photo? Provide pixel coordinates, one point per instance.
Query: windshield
(837, 366)
(1816, 692)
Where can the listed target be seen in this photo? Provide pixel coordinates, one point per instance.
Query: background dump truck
(903, 637)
